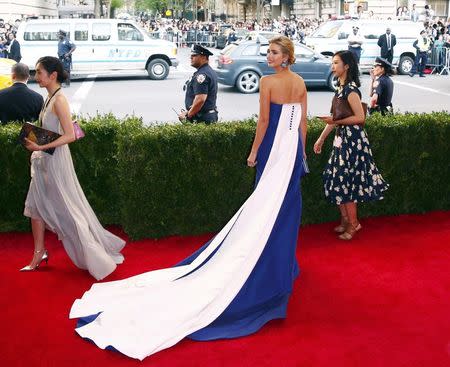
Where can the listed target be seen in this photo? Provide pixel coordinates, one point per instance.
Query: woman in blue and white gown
(244, 276)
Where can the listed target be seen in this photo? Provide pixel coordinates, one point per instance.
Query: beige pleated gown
(56, 197)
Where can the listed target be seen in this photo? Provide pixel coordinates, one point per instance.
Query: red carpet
(381, 300)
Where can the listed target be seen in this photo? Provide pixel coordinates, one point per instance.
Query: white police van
(104, 46)
(332, 36)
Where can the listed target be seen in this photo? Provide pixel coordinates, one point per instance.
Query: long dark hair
(353, 72)
(51, 64)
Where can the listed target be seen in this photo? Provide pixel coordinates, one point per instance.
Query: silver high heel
(44, 257)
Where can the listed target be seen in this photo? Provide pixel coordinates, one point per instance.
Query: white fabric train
(149, 312)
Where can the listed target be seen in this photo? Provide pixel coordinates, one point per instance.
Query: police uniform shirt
(204, 81)
(355, 40)
(384, 90)
(64, 46)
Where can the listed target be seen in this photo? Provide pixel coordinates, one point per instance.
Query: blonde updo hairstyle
(286, 46)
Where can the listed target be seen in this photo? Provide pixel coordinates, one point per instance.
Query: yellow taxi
(5, 72)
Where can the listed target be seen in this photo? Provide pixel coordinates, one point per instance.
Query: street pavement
(153, 100)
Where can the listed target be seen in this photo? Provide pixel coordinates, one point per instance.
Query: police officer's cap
(200, 50)
(62, 33)
(383, 63)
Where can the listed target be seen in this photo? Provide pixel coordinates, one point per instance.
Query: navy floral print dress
(350, 174)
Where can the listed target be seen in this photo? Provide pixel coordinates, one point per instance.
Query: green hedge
(187, 179)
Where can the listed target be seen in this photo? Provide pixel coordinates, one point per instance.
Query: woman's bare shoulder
(297, 78)
(267, 79)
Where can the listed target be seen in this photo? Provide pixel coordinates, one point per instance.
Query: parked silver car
(243, 63)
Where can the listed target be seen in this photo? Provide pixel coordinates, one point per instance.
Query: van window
(127, 32)
(101, 31)
(44, 32)
(372, 31)
(81, 32)
(327, 30)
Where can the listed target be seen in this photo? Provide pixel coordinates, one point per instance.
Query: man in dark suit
(18, 102)
(387, 42)
(14, 48)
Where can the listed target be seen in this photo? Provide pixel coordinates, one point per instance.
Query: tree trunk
(97, 8)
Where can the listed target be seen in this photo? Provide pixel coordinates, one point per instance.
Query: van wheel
(158, 69)
(405, 65)
(248, 82)
(332, 82)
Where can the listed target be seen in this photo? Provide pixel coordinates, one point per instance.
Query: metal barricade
(446, 57)
(154, 35)
(186, 38)
(439, 59)
(204, 38)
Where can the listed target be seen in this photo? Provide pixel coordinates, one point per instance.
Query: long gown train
(230, 287)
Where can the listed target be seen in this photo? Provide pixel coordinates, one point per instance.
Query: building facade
(18, 9)
(22, 9)
(75, 8)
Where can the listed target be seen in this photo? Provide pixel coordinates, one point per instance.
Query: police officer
(65, 50)
(201, 89)
(381, 88)
(422, 44)
(355, 42)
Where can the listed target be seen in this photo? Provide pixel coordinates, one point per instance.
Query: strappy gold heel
(44, 257)
(350, 231)
(341, 227)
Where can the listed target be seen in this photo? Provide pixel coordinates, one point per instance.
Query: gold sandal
(341, 227)
(350, 231)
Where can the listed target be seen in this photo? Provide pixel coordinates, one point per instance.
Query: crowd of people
(296, 28)
(9, 46)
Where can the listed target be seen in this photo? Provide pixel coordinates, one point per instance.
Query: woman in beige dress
(55, 198)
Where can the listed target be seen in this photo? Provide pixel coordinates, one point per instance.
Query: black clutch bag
(38, 135)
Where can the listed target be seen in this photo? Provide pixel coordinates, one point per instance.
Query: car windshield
(327, 30)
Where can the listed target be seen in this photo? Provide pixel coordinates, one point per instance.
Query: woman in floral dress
(351, 175)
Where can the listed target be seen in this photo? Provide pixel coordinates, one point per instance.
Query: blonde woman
(244, 276)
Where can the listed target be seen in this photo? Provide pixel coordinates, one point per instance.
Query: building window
(440, 7)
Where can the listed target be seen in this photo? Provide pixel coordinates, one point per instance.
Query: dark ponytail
(52, 64)
(353, 72)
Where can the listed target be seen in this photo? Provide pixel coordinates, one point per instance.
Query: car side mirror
(342, 36)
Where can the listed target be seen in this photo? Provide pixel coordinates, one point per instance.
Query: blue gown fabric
(265, 294)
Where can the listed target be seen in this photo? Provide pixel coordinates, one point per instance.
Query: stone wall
(26, 8)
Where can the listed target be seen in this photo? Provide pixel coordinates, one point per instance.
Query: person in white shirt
(355, 42)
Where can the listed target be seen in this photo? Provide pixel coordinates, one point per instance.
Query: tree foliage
(151, 5)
